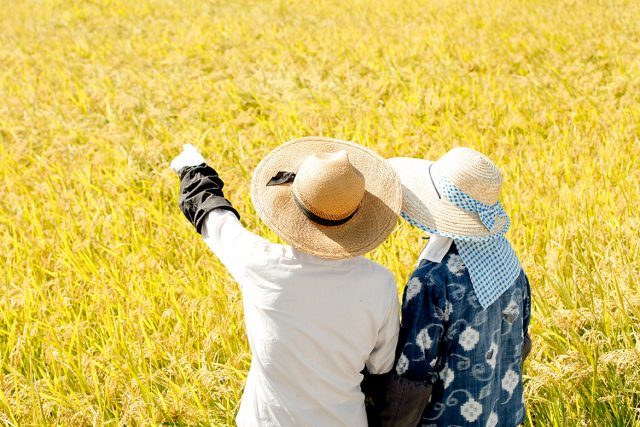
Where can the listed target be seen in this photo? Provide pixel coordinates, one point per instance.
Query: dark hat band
(283, 177)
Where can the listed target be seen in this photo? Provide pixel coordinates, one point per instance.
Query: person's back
(465, 311)
(312, 325)
(472, 355)
(316, 312)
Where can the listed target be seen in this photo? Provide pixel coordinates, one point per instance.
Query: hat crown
(472, 172)
(329, 186)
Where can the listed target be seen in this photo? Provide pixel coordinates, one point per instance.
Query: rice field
(113, 312)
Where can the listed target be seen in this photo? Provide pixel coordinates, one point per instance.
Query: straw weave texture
(421, 202)
(370, 225)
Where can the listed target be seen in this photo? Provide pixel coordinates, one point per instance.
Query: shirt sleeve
(383, 354)
(234, 245)
(423, 312)
(394, 400)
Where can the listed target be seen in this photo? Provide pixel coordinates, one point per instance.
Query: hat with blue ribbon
(455, 196)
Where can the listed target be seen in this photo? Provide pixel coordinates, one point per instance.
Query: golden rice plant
(113, 312)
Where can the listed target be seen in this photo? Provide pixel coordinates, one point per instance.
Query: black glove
(200, 193)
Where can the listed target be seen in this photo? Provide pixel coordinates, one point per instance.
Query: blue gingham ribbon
(492, 264)
(493, 267)
(491, 261)
(487, 213)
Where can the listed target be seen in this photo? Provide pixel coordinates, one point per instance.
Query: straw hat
(456, 196)
(327, 197)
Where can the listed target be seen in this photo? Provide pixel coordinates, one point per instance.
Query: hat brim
(427, 210)
(372, 223)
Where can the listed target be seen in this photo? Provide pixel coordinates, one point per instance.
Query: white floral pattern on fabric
(413, 288)
(402, 365)
(511, 312)
(510, 381)
(456, 265)
(447, 311)
(471, 410)
(469, 338)
(492, 355)
(447, 375)
(423, 340)
(493, 420)
(470, 352)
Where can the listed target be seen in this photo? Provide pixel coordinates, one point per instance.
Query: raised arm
(200, 187)
(203, 203)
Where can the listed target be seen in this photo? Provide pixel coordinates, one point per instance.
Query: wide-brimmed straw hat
(456, 196)
(327, 197)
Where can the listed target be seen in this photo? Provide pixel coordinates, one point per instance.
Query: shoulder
(430, 273)
(451, 268)
(430, 280)
(226, 235)
(375, 278)
(379, 271)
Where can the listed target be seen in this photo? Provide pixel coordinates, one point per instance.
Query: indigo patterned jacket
(472, 356)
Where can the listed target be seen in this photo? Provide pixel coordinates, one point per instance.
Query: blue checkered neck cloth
(490, 260)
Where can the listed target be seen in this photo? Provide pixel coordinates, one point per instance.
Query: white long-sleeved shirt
(312, 325)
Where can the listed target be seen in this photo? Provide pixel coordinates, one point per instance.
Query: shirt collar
(436, 248)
